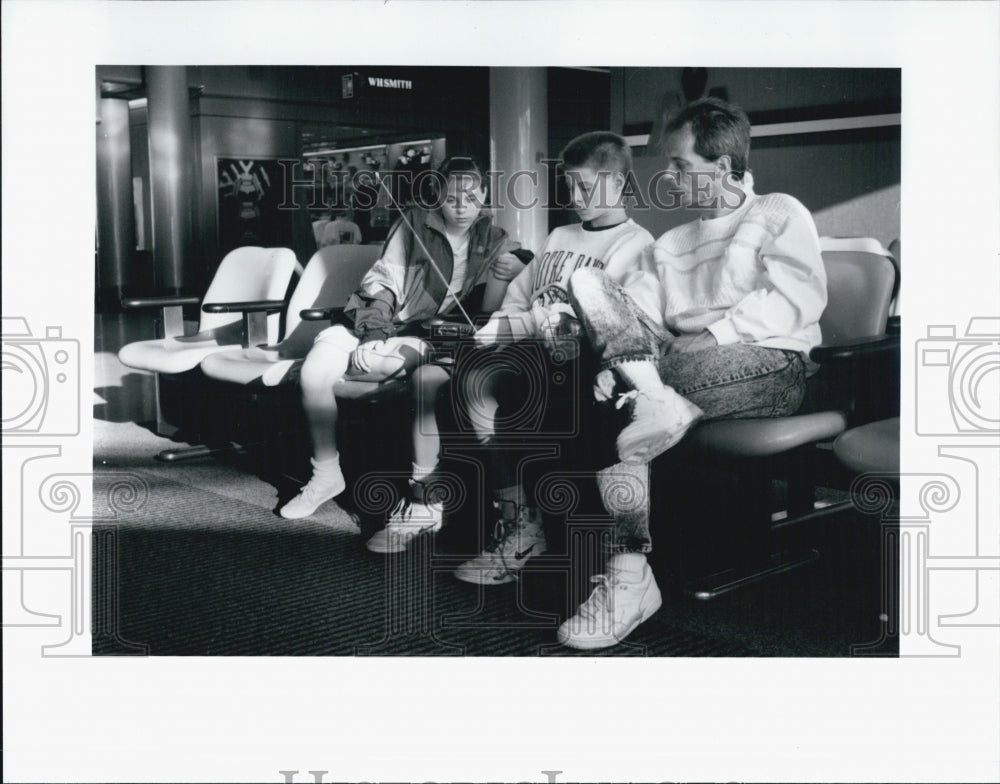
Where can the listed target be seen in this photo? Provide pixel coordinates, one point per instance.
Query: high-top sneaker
(660, 418)
(514, 542)
(418, 513)
(624, 597)
(326, 482)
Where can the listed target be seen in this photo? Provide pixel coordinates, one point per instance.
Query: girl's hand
(507, 266)
(367, 354)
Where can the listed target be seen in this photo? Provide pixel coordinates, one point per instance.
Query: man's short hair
(600, 151)
(719, 128)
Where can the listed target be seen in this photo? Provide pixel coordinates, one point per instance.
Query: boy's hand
(367, 355)
(688, 344)
(561, 332)
(507, 266)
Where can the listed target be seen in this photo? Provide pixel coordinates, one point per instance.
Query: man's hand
(367, 355)
(688, 344)
(507, 266)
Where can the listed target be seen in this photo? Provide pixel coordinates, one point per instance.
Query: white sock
(631, 564)
(420, 473)
(640, 374)
(327, 470)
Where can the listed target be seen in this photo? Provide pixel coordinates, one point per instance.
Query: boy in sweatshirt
(739, 294)
(536, 306)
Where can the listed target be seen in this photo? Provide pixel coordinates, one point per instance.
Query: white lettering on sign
(396, 84)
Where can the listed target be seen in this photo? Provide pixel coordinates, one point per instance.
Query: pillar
(519, 127)
(115, 219)
(171, 174)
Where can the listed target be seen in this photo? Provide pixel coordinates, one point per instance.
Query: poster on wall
(249, 192)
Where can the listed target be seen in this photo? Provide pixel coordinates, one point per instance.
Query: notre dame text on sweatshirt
(541, 287)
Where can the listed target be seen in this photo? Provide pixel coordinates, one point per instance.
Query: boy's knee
(584, 281)
(428, 378)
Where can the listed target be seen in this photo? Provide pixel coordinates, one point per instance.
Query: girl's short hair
(602, 151)
(433, 188)
(461, 166)
(719, 128)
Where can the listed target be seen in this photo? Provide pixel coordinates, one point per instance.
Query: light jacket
(403, 288)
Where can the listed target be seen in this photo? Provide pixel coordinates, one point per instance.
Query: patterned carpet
(203, 573)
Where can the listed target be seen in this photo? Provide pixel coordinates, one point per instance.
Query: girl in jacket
(474, 262)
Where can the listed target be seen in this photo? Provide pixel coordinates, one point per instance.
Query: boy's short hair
(600, 151)
(719, 128)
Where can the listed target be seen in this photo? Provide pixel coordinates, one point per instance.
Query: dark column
(171, 173)
(115, 219)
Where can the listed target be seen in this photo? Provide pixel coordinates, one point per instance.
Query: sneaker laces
(401, 513)
(599, 599)
(503, 530)
(625, 397)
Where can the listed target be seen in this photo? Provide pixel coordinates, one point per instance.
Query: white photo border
(922, 717)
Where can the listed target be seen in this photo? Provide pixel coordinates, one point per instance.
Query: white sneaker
(316, 492)
(660, 418)
(620, 602)
(407, 521)
(514, 542)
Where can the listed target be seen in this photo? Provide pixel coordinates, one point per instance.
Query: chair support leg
(757, 558)
(187, 453)
(716, 585)
(163, 427)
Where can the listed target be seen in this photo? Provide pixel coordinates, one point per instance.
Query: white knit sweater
(754, 275)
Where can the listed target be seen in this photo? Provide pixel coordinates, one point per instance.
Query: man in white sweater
(739, 294)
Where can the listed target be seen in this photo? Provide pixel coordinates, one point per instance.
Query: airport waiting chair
(717, 489)
(260, 382)
(330, 276)
(245, 274)
(872, 448)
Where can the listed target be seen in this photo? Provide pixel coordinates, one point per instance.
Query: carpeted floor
(199, 563)
(208, 572)
(200, 573)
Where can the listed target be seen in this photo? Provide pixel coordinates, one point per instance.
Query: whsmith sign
(353, 85)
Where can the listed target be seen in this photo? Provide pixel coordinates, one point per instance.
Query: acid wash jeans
(738, 381)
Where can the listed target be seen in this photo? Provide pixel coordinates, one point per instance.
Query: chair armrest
(254, 315)
(860, 348)
(156, 302)
(861, 377)
(173, 310)
(252, 306)
(333, 315)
